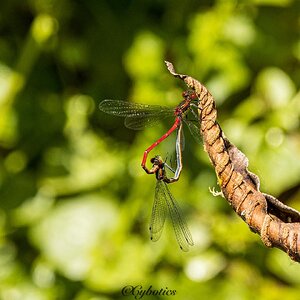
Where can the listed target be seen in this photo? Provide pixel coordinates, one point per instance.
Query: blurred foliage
(75, 204)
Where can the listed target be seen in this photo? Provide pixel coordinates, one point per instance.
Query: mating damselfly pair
(139, 116)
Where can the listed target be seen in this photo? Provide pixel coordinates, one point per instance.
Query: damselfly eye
(193, 96)
(185, 94)
(154, 160)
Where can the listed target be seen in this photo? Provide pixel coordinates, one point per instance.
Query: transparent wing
(124, 108)
(137, 116)
(141, 121)
(194, 127)
(159, 212)
(182, 233)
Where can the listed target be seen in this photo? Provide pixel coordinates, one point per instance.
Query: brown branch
(276, 223)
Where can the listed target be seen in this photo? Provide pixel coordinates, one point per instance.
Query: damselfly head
(189, 95)
(157, 160)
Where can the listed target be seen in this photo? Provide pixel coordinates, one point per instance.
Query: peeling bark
(276, 223)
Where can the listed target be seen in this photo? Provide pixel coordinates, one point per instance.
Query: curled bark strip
(276, 223)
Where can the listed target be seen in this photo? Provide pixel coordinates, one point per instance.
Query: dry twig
(276, 223)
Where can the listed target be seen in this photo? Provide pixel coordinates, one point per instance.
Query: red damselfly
(165, 202)
(139, 116)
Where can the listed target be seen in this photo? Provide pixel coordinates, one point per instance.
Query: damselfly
(165, 202)
(140, 116)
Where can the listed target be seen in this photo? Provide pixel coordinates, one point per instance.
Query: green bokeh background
(74, 202)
